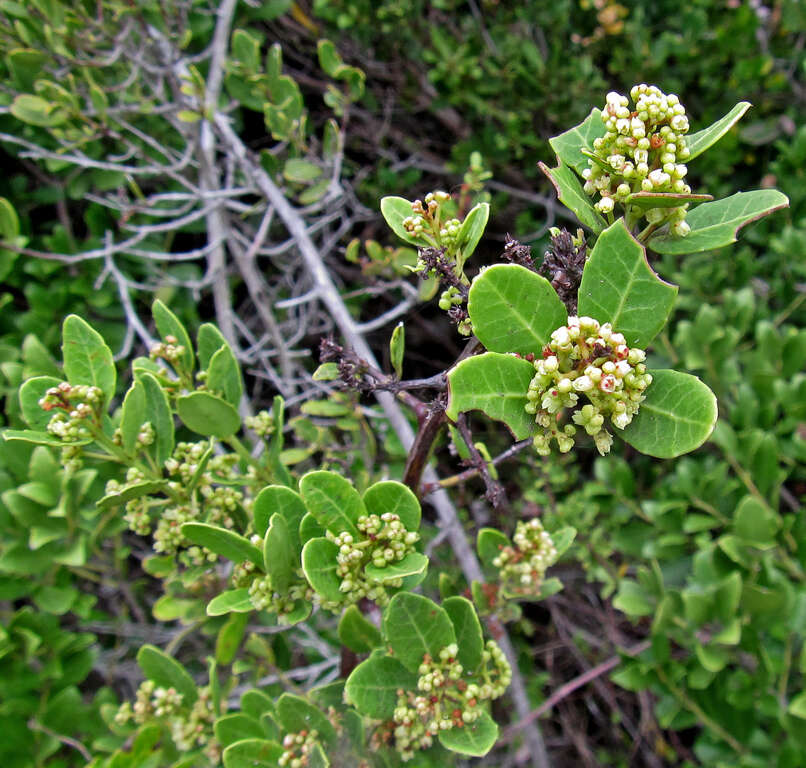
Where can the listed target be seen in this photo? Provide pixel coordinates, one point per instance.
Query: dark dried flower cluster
(517, 253)
(563, 264)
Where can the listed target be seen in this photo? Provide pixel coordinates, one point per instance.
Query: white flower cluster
(297, 747)
(522, 567)
(585, 358)
(169, 350)
(445, 699)
(384, 541)
(76, 406)
(643, 150)
(425, 219)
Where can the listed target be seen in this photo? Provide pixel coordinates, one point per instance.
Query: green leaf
(698, 142)
(319, 564)
(133, 415)
(467, 627)
(295, 714)
(678, 415)
(396, 498)
(755, 523)
(231, 601)
(309, 528)
(168, 324)
(332, 500)
(40, 438)
(476, 739)
(9, 223)
(717, 224)
(572, 196)
(563, 538)
(472, 229)
(167, 672)
(252, 753)
(224, 375)
(31, 392)
(358, 633)
(495, 384)
(489, 544)
(412, 564)
(397, 348)
(372, 686)
(413, 626)
(280, 558)
(161, 418)
(568, 145)
(619, 287)
(395, 210)
(278, 498)
(797, 706)
(208, 415)
(208, 341)
(664, 199)
(129, 492)
(236, 727)
(229, 638)
(514, 309)
(632, 599)
(87, 358)
(223, 542)
(35, 110)
(301, 171)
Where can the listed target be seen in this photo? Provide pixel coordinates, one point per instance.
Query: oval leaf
(208, 415)
(168, 324)
(476, 739)
(31, 392)
(280, 559)
(278, 498)
(231, 601)
(412, 564)
(678, 415)
(495, 384)
(413, 626)
(373, 685)
(224, 375)
(395, 210)
(717, 224)
(167, 672)
(319, 564)
(87, 358)
(467, 627)
(489, 544)
(572, 196)
(396, 498)
(664, 199)
(332, 500)
(568, 145)
(472, 229)
(161, 418)
(132, 415)
(514, 309)
(252, 753)
(358, 633)
(619, 287)
(296, 714)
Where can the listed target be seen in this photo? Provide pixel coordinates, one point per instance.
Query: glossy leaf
(87, 358)
(467, 627)
(358, 633)
(395, 210)
(396, 498)
(168, 324)
(619, 287)
(475, 739)
(236, 727)
(38, 437)
(278, 498)
(295, 714)
(372, 686)
(223, 542)
(280, 559)
(252, 753)
(167, 672)
(413, 626)
(412, 564)
(231, 601)
(208, 341)
(698, 142)
(332, 500)
(31, 392)
(717, 224)
(319, 564)
(514, 309)
(208, 414)
(572, 196)
(678, 415)
(568, 145)
(495, 384)
(472, 229)
(161, 418)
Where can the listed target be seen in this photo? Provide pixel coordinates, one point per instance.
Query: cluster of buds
(643, 149)
(75, 406)
(521, 568)
(195, 728)
(444, 699)
(150, 701)
(169, 350)
(265, 598)
(384, 541)
(585, 358)
(145, 436)
(262, 424)
(296, 748)
(426, 219)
